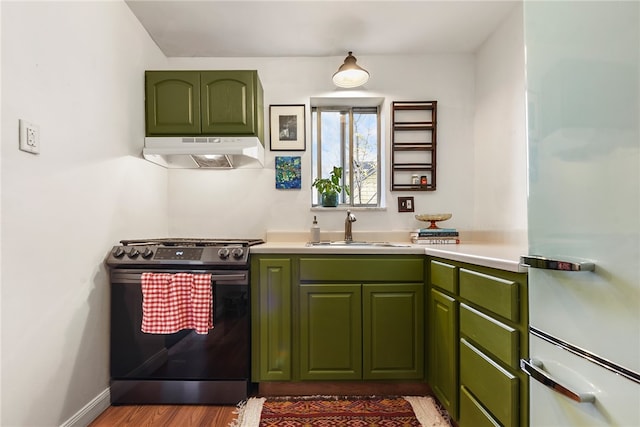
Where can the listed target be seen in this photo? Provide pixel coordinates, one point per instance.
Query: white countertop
(501, 256)
(494, 255)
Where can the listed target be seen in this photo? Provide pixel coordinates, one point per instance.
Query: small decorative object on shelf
(413, 145)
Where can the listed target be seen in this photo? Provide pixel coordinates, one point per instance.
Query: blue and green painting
(288, 172)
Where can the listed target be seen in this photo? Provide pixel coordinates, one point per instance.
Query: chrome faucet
(348, 236)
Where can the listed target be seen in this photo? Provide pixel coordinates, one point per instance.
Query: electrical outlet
(405, 204)
(29, 137)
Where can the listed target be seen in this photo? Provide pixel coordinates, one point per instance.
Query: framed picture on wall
(287, 127)
(288, 175)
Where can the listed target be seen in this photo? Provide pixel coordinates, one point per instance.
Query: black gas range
(184, 367)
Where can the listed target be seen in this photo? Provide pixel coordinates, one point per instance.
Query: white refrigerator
(583, 96)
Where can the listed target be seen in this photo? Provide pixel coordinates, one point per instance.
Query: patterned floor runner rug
(332, 411)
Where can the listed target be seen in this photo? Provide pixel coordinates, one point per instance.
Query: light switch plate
(405, 204)
(29, 137)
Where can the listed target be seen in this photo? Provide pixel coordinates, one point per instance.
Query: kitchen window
(348, 137)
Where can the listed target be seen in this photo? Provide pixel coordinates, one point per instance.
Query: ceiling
(318, 28)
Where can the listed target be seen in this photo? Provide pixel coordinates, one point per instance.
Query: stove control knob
(237, 253)
(118, 252)
(133, 253)
(223, 253)
(147, 253)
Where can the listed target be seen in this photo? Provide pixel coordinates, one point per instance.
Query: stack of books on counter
(435, 236)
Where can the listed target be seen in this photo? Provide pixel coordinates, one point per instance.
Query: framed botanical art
(287, 124)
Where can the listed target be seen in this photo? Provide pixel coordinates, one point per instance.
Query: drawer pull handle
(535, 261)
(533, 368)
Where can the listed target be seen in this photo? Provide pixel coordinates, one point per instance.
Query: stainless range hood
(211, 152)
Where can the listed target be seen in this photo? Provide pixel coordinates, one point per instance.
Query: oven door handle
(134, 278)
(224, 277)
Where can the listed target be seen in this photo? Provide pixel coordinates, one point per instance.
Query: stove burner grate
(192, 242)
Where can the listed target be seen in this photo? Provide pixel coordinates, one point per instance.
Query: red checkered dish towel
(171, 302)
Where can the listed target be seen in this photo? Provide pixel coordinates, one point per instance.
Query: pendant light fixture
(350, 74)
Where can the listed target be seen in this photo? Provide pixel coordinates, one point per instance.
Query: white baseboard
(90, 411)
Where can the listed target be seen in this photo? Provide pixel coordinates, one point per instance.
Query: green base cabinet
(204, 103)
(360, 320)
(271, 319)
(478, 322)
(337, 317)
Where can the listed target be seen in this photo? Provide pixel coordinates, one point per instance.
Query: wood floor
(222, 416)
(165, 415)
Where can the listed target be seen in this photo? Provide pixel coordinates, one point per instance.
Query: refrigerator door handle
(535, 261)
(533, 368)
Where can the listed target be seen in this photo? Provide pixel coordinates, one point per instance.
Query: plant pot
(330, 200)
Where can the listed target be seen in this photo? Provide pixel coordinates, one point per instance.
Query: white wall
(246, 203)
(500, 179)
(76, 70)
(481, 144)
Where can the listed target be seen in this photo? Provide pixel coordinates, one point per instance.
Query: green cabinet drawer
(472, 413)
(444, 276)
(494, 337)
(492, 385)
(493, 293)
(362, 269)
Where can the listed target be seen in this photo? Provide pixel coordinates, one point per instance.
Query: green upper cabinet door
(216, 103)
(173, 102)
(229, 102)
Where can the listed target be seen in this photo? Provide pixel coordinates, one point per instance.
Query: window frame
(349, 110)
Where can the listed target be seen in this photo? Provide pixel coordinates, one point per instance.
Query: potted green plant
(330, 188)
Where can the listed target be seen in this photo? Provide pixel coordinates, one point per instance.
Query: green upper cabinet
(204, 103)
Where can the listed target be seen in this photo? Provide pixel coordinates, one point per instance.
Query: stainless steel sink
(355, 243)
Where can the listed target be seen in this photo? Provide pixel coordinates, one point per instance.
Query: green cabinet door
(443, 350)
(172, 102)
(393, 331)
(330, 332)
(229, 102)
(271, 318)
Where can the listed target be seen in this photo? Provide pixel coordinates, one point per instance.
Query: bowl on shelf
(433, 218)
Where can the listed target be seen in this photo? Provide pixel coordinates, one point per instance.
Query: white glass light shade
(350, 74)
